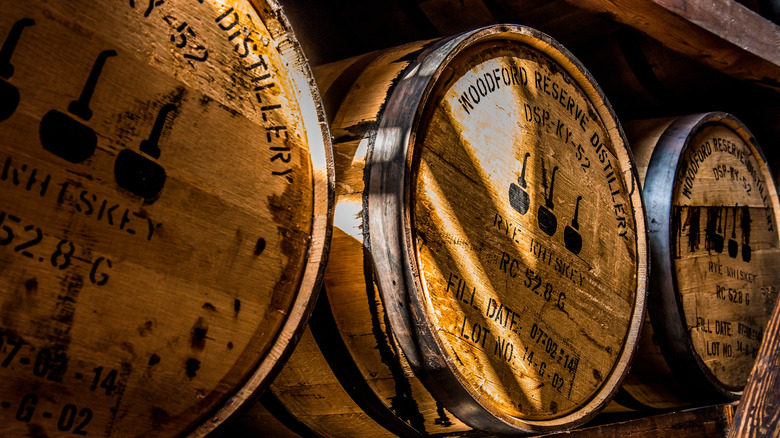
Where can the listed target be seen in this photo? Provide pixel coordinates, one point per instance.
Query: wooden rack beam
(702, 422)
(722, 34)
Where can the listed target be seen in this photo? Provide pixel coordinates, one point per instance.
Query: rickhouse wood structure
(389, 218)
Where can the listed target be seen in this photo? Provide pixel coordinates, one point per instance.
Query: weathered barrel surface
(348, 375)
(713, 210)
(489, 251)
(165, 208)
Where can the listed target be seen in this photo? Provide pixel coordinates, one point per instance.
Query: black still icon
(571, 236)
(547, 220)
(9, 95)
(733, 245)
(136, 172)
(518, 197)
(65, 136)
(718, 236)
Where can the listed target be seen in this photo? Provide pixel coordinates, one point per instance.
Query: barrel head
(715, 285)
(146, 296)
(515, 326)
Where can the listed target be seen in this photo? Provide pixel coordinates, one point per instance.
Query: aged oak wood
(712, 208)
(364, 384)
(489, 255)
(307, 398)
(165, 210)
(509, 289)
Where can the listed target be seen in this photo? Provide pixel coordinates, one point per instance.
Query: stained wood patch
(525, 231)
(159, 212)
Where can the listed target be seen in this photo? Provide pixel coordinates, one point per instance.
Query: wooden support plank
(699, 422)
(759, 410)
(719, 33)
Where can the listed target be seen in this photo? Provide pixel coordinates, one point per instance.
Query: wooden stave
(330, 346)
(323, 186)
(393, 180)
(296, 400)
(268, 415)
(355, 368)
(390, 259)
(315, 130)
(681, 377)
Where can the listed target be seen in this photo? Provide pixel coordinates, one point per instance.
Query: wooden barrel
(166, 205)
(348, 376)
(712, 209)
(488, 262)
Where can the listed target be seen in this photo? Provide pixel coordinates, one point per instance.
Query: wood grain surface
(703, 422)
(706, 31)
(164, 212)
(757, 413)
(519, 316)
(363, 384)
(524, 233)
(714, 286)
(533, 312)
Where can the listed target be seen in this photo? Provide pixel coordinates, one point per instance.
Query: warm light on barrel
(494, 277)
(165, 209)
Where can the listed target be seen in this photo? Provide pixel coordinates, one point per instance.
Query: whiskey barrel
(712, 209)
(488, 262)
(166, 204)
(348, 376)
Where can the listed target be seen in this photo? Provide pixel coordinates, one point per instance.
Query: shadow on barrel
(509, 379)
